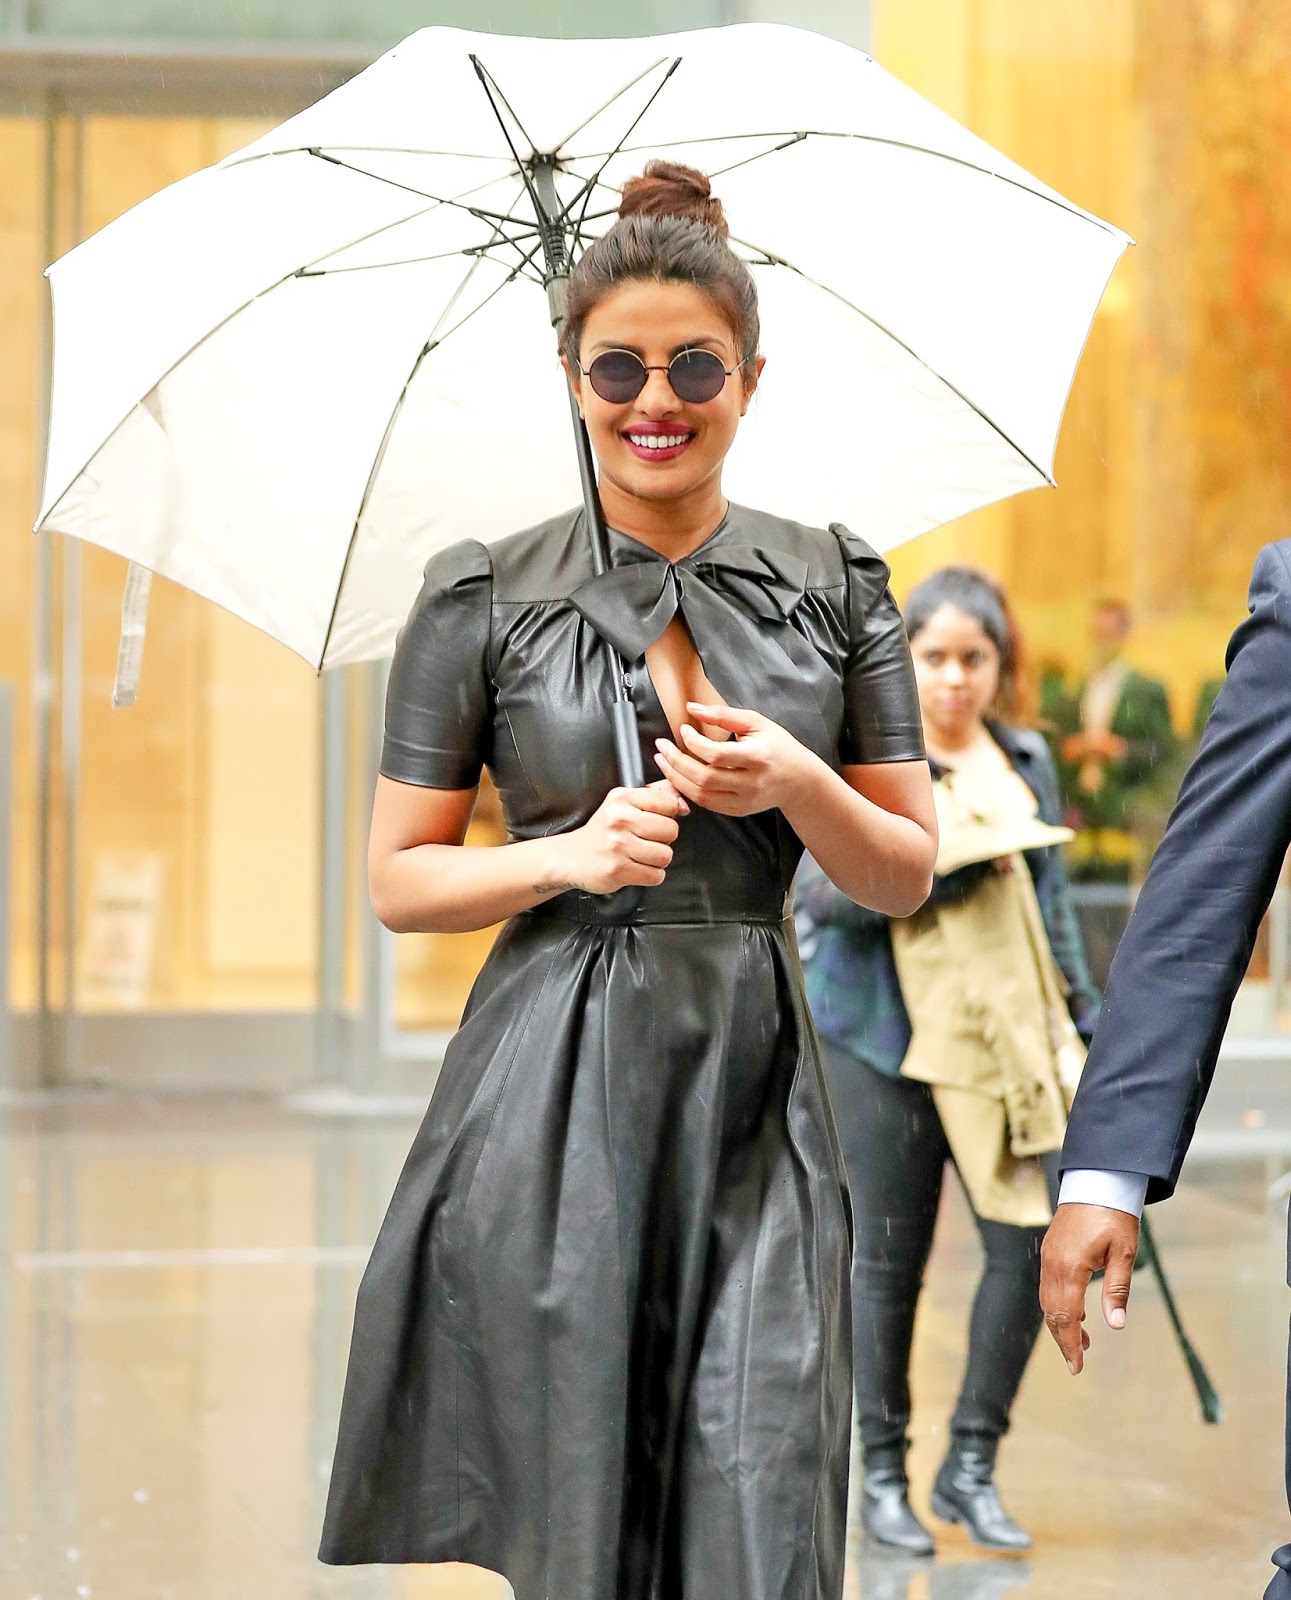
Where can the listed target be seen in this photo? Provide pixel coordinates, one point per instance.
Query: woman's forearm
(447, 888)
(880, 858)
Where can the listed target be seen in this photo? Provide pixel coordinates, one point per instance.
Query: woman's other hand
(759, 768)
(627, 841)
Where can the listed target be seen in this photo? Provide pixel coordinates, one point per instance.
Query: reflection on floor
(176, 1282)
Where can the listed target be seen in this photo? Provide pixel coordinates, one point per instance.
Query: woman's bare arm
(873, 831)
(423, 879)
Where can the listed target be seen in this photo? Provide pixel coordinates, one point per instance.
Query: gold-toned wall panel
(21, 298)
(1172, 120)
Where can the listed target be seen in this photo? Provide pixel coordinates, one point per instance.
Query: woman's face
(957, 670)
(656, 321)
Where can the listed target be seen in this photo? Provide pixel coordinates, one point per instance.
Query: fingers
(1066, 1266)
(732, 718)
(725, 754)
(1117, 1279)
(647, 853)
(1064, 1318)
(648, 814)
(694, 779)
(659, 797)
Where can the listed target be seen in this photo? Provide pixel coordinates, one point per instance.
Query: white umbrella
(287, 380)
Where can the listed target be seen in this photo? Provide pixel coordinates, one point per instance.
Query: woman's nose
(658, 397)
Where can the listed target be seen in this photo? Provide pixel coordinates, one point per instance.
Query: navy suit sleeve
(1189, 940)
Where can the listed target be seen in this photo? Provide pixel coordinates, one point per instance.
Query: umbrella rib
(592, 182)
(398, 222)
(432, 343)
(871, 138)
(481, 213)
(477, 250)
(483, 72)
(617, 95)
(768, 258)
(488, 84)
(435, 337)
(377, 461)
(238, 160)
(775, 149)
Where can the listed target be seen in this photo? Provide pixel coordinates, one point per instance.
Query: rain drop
(73, 1554)
(141, 1496)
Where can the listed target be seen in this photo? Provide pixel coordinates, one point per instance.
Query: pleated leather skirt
(603, 1345)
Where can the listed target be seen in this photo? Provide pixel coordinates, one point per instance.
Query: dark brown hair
(671, 228)
(983, 598)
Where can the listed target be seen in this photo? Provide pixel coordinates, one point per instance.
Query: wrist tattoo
(554, 888)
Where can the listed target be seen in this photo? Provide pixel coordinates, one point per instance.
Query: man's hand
(1081, 1240)
(1094, 746)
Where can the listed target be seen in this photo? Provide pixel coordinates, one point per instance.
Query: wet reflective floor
(176, 1283)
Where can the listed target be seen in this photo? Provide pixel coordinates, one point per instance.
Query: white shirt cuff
(1121, 1191)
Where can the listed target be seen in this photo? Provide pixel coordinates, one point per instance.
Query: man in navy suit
(1174, 978)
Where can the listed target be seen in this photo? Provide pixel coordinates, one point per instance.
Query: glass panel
(197, 848)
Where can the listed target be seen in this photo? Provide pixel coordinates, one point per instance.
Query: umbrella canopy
(286, 381)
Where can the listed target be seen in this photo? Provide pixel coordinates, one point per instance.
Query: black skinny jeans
(895, 1152)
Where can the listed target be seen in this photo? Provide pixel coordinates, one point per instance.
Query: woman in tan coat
(954, 1036)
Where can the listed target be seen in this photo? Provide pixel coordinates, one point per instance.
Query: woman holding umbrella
(602, 1345)
(992, 976)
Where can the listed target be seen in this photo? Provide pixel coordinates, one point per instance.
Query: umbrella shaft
(551, 227)
(623, 713)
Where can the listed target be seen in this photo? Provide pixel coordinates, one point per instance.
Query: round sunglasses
(695, 375)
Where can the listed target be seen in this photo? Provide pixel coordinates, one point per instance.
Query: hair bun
(669, 189)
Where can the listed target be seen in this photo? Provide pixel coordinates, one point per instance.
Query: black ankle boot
(886, 1514)
(965, 1492)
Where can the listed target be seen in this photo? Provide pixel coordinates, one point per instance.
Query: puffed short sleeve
(439, 701)
(881, 720)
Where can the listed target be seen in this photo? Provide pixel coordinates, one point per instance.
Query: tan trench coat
(987, 1003)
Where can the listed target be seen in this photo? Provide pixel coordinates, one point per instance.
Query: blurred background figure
(944, 1043)
(1115, 749)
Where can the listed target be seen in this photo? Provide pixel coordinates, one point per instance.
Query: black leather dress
(602, 1346)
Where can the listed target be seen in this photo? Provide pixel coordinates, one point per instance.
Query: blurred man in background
(1115, 750)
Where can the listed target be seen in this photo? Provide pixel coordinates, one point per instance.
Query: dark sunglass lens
(617, 376)
(697, 376)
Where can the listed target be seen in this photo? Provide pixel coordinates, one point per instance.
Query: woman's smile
(657, 442)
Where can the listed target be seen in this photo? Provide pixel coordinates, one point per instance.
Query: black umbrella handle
(627, 743)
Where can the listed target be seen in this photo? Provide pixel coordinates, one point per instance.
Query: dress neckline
(658, 555)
